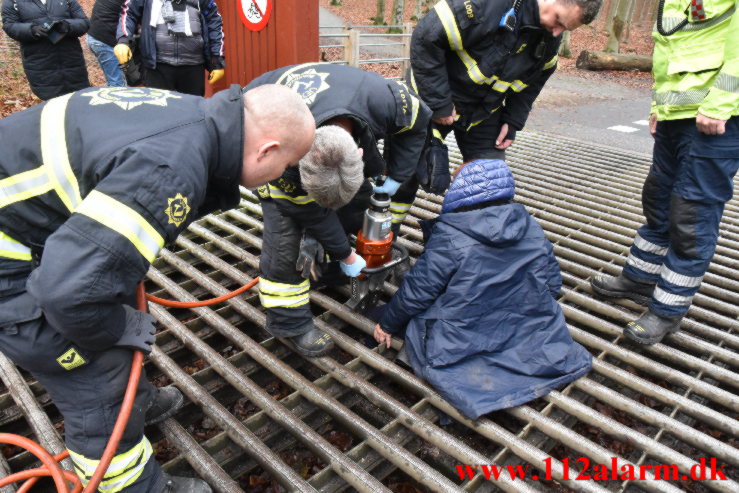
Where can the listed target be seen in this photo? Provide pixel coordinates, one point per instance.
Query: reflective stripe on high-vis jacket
(121, 218)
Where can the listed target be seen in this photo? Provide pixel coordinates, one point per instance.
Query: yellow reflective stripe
(120, 218)
(54, 152)
(398, 218)
(124, 469)
(277, 301)
(276, 193)
(501, 85)
(474, 124)
(24, 186)
(399, 207)
(473, 71)
(414, 114)
(437, 133)
(278, 288)
(275, 294)
(518, 85)
(551, 63)
(11, 248)
(413, 81)
(446, 16)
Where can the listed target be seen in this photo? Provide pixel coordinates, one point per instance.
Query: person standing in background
(48, 32)
(179, 39)
(101, 39)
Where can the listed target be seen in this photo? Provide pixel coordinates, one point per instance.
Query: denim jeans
(114, 76)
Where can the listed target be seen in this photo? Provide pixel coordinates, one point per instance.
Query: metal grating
(262, 418)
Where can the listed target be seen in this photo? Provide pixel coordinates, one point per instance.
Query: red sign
(255, 13)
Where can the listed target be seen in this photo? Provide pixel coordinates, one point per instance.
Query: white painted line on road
(623, 128)
(641, 122)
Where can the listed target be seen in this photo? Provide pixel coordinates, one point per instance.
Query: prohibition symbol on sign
(255, 13)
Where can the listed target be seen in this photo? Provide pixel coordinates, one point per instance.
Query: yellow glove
(122, 53)
(215, 75)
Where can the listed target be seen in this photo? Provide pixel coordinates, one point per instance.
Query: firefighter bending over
(480, 65)
(695, 124)
(364, 107)
(92, 185)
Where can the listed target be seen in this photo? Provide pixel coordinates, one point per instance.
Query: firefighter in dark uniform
(92, 185)
(370, 108)
(479, 65)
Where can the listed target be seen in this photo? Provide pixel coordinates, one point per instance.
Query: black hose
(675, 29)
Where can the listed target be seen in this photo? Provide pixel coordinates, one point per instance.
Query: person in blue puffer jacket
(478, 310)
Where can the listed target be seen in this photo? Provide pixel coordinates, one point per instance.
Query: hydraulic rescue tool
(375, 244)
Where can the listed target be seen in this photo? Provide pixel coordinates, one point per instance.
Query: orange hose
(126, 406)
(32, 482)
(51, 466)
(196, 304)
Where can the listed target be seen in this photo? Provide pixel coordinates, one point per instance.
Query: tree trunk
(619, 26)
(630, 21)
(564, 47)
(419, 10)
(396, 18)
(599, 60)
(379, 18)
(612, 6)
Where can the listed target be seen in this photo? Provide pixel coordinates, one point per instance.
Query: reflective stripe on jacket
(380, 109)
(100, 180)
(461, 56)
(696, 69)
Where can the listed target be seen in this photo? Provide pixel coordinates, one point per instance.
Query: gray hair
(590, 8)
(333, 170)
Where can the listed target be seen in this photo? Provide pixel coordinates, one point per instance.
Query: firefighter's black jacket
(461, 56)
(379, 109)
(100, 180)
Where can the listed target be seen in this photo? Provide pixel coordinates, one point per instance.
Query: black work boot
(179, 484)
(167, 402)
(313, 343)
(650, 328)
(622, 287)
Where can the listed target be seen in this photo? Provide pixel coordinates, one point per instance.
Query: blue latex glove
(389, 187)
(354, 269)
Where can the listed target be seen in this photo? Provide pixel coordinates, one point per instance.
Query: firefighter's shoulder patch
(177, 209)
(129, 97)
(71, 359)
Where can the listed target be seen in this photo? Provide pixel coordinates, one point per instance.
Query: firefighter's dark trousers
(89, 396)
(476, 140)
(282, 290)
(690, 180)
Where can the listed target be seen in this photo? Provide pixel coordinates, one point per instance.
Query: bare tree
(379, 18)
(397, 16)
(421, 8)
(619, 25)
(564, 47)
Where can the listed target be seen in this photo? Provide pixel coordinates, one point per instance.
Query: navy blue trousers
(89, 396)
(690, 180)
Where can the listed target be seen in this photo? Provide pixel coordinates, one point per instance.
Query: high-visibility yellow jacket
(696, 69)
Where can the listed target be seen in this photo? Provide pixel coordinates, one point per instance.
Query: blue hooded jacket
(482, 324)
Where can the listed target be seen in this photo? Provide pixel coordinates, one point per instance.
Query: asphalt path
(601, 112)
